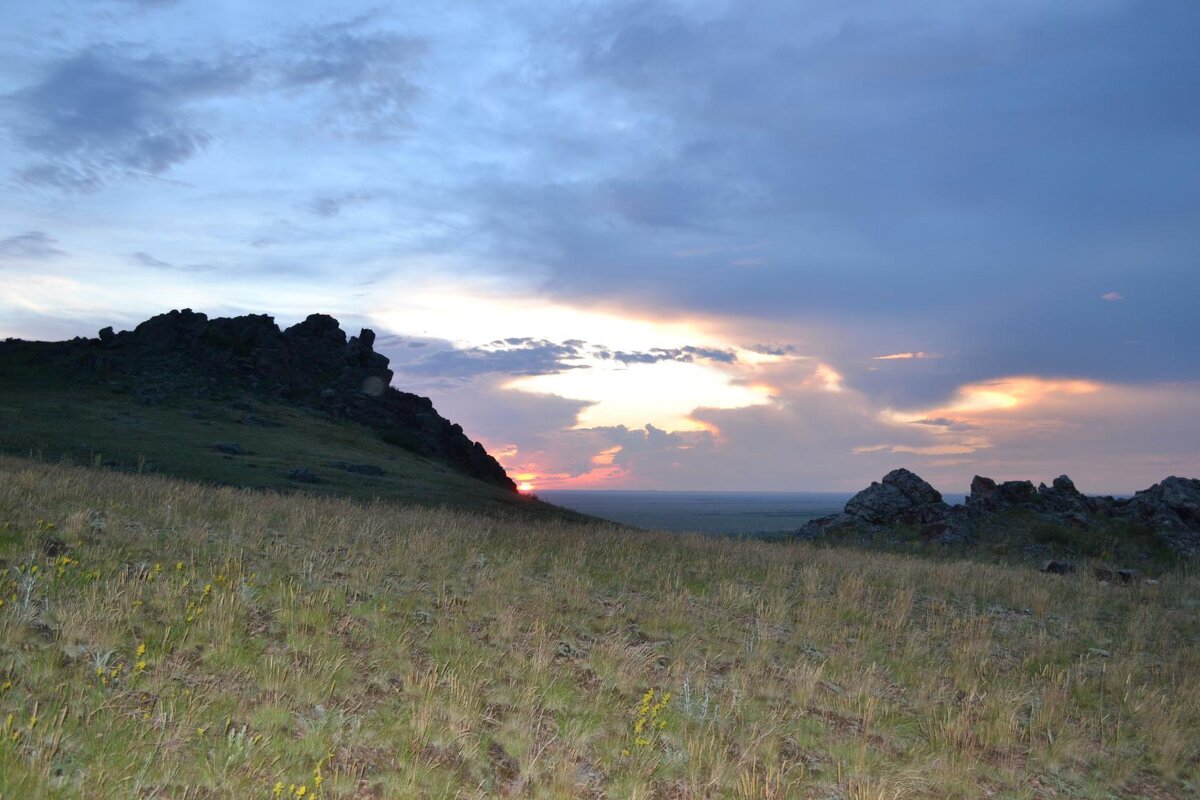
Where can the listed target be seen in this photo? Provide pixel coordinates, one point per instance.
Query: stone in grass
(303, 475)
(229, 448)
(359, 469)
(1118, 575)
(52, 545)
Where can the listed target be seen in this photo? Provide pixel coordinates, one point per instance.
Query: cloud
(144, 259)
(509, 357)
(1112, 296)
(686, 354)
(32, 245)
(902, 356)
(110, 111)
(362, 75)
(329, 205)
(147, 260)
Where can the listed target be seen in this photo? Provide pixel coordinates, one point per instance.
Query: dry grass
(402, 652)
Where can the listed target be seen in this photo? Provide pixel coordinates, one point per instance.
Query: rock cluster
(184, 354)
(1171, 508)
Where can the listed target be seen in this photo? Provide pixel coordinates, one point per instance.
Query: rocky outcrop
(1170, 508)
(185, 355)
(900, 498)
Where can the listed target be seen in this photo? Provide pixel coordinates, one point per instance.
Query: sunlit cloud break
(903, 356)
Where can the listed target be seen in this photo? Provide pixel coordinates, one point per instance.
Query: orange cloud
(605, 457)
(1001, 395)
(1026, 405)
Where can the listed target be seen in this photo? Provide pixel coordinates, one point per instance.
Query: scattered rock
(52, 545)
(229, 448)
(259, 422)
(359, 469)
(1116, 575)
(1057, 567)
(303, 475)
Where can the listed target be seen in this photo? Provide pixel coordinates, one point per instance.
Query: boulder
(901, 498)
(1172, 508)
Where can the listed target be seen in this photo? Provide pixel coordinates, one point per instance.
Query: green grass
(410, 652)
(99, 425)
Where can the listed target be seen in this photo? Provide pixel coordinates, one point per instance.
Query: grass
(98, 425)
(202, 642)
(1019, 537)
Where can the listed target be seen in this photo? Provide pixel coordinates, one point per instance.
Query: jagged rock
(1172, 507)
(901, 498)
(986, 494)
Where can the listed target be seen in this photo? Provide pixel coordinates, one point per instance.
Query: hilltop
(240, 401)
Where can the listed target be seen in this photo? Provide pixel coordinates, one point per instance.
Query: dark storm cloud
(113, 110)
(979, 182)
(32, 245)
(517, 357)
(687, 354)
(524, 356)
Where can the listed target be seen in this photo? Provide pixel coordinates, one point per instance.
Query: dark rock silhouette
(184, 355)
(1171, 508)
(900, 498)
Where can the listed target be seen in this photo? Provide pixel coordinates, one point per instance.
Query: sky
(755, 244)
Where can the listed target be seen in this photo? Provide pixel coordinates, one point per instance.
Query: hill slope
(237, 401)
(161, 639)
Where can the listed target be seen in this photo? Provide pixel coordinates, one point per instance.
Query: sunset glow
(1004, 394)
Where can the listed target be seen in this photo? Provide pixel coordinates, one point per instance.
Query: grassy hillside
(198, 642)
(95, 425)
